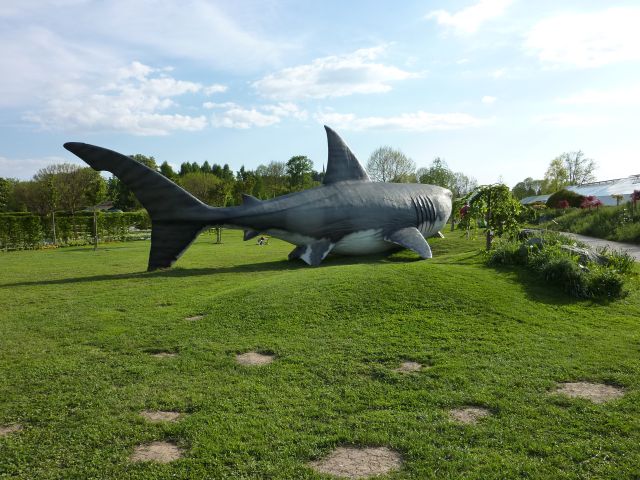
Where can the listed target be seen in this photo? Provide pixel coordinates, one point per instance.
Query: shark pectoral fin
(249, 234)
(314, 253)
(412, 239)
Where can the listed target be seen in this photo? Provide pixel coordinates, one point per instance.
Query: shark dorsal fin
(342, 164)
(249, 200)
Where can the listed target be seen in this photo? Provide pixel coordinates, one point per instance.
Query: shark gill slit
(425, 209)
(432, 209)
(418, 211)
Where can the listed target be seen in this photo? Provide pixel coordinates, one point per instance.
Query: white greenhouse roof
(534, 199)
(603, 190)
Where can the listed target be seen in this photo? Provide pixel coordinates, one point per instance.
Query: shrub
(558, 267)
(566, 273)
(604, 283)
(621, 262)
(574, 199)
(507, 253)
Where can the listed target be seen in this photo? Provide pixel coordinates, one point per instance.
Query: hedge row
(19, 231)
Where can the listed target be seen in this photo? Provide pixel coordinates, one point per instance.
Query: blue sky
(497, 88)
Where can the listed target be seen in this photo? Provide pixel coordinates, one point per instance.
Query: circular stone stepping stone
(164, 354)
(409, 367)
(195, 318)
(596, 392)
(158, 416)
(254, 359)
(351, 462)
(6, 430)
(161, 452)
(468, 415)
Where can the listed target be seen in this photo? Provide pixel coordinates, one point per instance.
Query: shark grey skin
(347, 215)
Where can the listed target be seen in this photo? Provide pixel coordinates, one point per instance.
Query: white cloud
(46, 44)
(135, 101)
(238, 117)
(414, 122)
(333, 76)
(587, 40)
(499, 73)
(570, 120)
(25, 168)
(192, 29)
(488, 99)
(38, 62)
(287, 110)
(623, 96)
(469, 20)
(215, 88)
(211, 105)
(235, 116)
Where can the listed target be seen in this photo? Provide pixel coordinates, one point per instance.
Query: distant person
(464, 210)
(262, 241)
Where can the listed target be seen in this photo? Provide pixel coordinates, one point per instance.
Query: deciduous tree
(556, 176)
(496, 208)
(299, 170)
(389, 165)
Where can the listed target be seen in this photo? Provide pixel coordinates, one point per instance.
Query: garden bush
(574, 199)
(545, 258)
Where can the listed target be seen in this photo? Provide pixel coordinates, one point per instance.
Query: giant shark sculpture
(349, 214)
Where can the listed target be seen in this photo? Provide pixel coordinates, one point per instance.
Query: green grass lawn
(77, 328)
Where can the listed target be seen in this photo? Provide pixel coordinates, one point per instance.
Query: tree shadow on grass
(179, 272)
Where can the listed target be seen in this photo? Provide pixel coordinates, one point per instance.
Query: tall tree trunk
(488, 220)
(95, 230)
(53, 224)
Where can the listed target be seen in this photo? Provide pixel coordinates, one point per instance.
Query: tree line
(569, 168)
(71, 188)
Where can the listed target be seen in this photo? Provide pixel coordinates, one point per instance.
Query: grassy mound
(75, 370)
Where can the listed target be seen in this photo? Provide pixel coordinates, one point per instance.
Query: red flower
(590, 201)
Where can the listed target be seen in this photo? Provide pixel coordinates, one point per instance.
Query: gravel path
(630, 248)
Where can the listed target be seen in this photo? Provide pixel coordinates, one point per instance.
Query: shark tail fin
(177, 217)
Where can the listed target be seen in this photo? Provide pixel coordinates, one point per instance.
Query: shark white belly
(364, 242)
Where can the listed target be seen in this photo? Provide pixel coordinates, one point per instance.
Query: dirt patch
(6, 430)
(164, 354)
(351, 462)
(158, 416)
(195, 318)
(468, 415)
(409, 367)
(596, 392)
(254, 358)
(161, 452)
